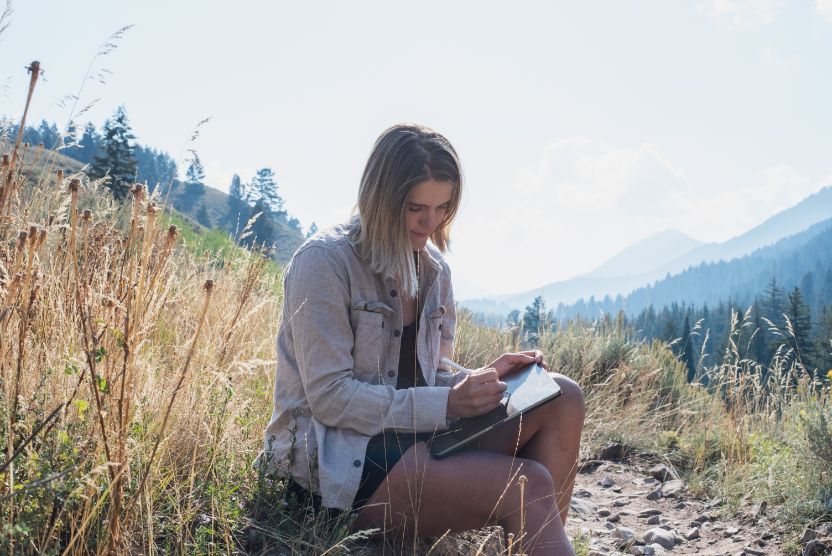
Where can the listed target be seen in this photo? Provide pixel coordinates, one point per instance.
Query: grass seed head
(74, 185)
(21, 239)
(4, 160)
(86, 216)
(209, 285)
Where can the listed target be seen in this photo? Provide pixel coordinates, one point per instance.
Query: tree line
(113, 154)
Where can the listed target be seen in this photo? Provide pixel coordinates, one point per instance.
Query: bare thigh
(465, 491)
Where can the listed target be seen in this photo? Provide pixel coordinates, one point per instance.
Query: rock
(649, 512)
(692, 534)
(636, 550)
(606, 482)
(753, 551)
(620, 503)
(655, 494)
(595, 552)
(649, 551)
(731, 531)
(816, 548)
(680, 506)
(612, 451)
(589, 466)
(614, 518)
(609, 526)
(604, 512)
(616, 489)
(655, 549)
(624, 536)
(654, 520)
(808, 535)
(660, 536)
(703, 518)
(672, 488)
(582, 493)
(662, 473)
(583, 507)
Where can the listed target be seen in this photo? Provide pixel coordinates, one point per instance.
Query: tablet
(527, 389)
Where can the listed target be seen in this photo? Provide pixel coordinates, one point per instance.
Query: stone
(809, 534)
(662, 537)
(582, 493)
(609, 526)
(604, 512)
(655, 494)
(614, 518)
(703, 518)
(692, 534)
(606, 482)
(612, 451)
(662, 473)
(649, 512)
(655, 548)
(654, 520)
(583, 507)
(694, 524)
(816, 548)
(616, 489)
(672, 488)
(620, 503)
(649, 551)
(680, 506)
(731, 531)
(595, 552)
(636, 550)
(753, 551)
(624, 536)
(589, 466)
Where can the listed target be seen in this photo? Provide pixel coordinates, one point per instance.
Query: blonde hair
(404, 156)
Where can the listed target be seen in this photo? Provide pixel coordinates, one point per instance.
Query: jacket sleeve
(317, 308)
(444, 375)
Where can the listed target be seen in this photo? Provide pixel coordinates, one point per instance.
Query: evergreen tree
(535, 321)
(116, 159)
(88, 145)
(195, 177)
(202, 216)
(823, 339)
(687, 351)
(237, 190)
(264, 190)
(800, 338)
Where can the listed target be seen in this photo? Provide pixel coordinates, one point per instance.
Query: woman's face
(425, 209)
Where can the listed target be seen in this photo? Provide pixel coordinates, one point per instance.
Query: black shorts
(383, 452)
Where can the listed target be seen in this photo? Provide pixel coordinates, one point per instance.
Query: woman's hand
(479, 392)
(510, 362)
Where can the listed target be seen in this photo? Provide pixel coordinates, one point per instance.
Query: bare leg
(426, 496)
(549, 435)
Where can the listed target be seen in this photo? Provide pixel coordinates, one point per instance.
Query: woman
(368, 313)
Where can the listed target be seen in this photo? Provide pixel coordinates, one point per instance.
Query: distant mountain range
(663, 255)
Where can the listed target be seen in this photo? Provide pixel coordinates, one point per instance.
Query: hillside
(789, 261)
(207, 207)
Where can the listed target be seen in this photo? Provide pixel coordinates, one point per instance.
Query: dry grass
(136, 373)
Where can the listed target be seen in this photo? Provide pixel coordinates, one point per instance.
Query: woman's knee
(571, 402)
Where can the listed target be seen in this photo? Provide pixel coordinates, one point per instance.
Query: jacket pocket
(369, 339)
(433, 335)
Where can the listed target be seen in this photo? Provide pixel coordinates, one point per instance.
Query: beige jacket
(338, 359)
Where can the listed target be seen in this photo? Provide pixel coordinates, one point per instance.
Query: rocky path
(638, 508)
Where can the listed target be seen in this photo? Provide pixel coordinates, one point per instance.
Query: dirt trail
(638, 508)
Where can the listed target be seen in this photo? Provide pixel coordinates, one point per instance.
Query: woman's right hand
(479, 392)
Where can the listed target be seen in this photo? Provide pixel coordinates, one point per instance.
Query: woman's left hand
(510, 362)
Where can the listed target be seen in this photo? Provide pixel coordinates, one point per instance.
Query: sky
(583, 127)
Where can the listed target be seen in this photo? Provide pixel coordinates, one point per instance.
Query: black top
(410, 372)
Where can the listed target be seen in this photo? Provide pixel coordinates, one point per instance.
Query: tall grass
(136, 372)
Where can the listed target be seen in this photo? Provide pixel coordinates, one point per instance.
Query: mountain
(803, 260)
(603, 280)
(651, 252)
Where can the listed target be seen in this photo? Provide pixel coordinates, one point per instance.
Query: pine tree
(237, 189)
(687, 351)
(195, 177)
(535, 321)
(88, 145)
(202, 216)
(116, 159)
(800, 338)
(264, 190)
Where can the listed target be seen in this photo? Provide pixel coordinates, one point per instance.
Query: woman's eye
(415, 209)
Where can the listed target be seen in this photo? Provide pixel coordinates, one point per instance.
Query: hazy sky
(582, 126)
